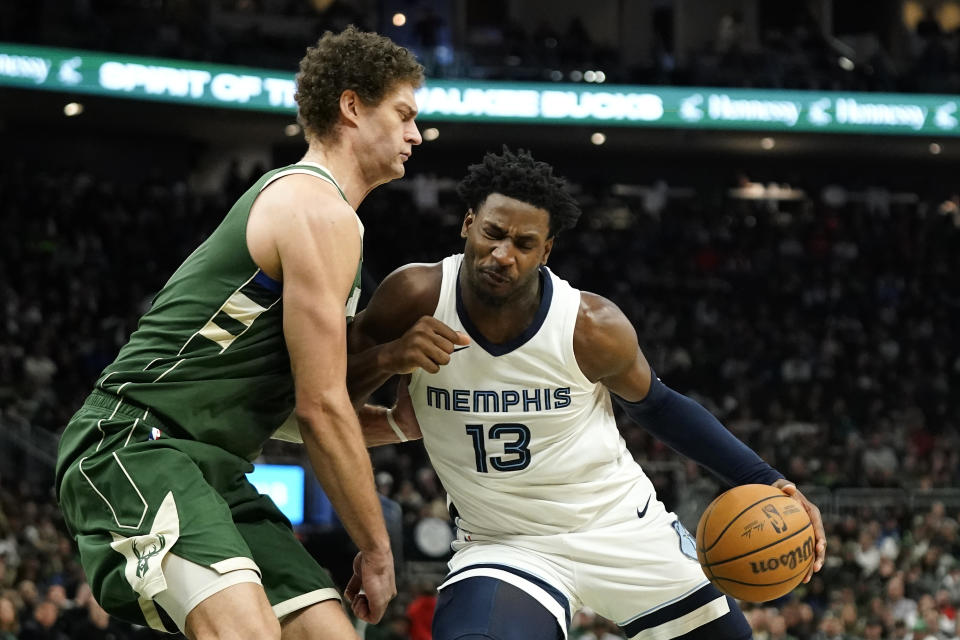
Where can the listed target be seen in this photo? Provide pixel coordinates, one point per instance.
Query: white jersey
(522, 441)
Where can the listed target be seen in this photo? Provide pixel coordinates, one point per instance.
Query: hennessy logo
(800, 555)
(144, 555)
(779, 524)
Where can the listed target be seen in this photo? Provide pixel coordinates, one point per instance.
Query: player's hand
(372, 585)
(403, 411)
(819, 535)
(426, 345)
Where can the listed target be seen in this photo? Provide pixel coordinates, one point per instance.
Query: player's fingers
(444, 344)
(430, 325)
(439, 353)
(356, 580)
(430, 357)
(445, 331)
(360, 607)
(819, 534)
(787, 487)
(353, 588)
(821, 555)
(426, 363)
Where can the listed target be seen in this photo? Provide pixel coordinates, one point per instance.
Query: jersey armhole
(450, 268)
(569, 330)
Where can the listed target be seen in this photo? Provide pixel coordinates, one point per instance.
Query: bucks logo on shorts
(144, 553)
(147, 550)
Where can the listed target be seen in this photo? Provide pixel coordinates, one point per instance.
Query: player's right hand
(372, 586)
(819, 534)
(426, 345)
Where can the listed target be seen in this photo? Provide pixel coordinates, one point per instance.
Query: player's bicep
(607, 351)
(402, 298)
(319, 256)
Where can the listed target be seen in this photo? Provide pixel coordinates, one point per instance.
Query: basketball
(755, 542)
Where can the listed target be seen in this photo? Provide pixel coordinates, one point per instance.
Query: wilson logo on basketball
(800, 555)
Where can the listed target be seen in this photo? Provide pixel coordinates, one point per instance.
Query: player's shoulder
(416, 284)
(305, 194)
(597, 314)
(603, 338)
(418, 273)
(404, 296)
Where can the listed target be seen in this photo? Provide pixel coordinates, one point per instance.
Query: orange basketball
(755, 542)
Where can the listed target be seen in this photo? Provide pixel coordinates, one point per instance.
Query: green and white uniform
(156, 458)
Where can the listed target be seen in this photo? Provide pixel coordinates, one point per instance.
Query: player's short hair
(370, 64)
(519, 176)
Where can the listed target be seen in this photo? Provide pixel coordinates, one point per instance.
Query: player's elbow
(325, 417)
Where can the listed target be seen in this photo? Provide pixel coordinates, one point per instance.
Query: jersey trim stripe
(287, 607)
(229, 323)
(152, 615)
(268, 283)
(107, 502)
(317, 170)
(242, 310)
(216, 333)
(235, 315)
(675, 609)
(502, 349)
(716, 608)
(544, 592)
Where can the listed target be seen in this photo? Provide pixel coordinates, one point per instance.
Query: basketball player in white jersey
(513, 372)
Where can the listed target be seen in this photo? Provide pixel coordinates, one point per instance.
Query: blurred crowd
(890, 575)
(821, 330)
(790, 48)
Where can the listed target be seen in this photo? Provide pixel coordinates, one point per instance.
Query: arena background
(795, 273)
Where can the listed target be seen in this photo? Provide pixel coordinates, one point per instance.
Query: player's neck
(503, 321)
(344, 169)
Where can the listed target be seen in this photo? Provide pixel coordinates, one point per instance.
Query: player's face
(388, 134)
(507, 242)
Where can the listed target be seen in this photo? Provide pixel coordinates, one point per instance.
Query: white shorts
(624, 568)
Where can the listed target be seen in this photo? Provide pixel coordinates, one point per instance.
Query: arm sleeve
(692, 431)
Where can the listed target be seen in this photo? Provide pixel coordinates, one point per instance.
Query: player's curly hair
(370, 64)
(518, 175)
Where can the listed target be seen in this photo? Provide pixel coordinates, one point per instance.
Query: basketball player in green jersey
(249, 330)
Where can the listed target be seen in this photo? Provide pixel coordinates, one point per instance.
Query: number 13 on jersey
(516, 438)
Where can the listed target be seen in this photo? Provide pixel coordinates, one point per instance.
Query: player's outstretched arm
(317, 243)
(605, 344)
(606, 347)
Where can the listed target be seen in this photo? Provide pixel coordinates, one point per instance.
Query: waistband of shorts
(107, 401)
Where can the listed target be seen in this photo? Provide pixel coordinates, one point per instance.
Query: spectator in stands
(43, 624)
(903, 609)
(777, 626)
(420, 611)
(9, 625)
(831, 628)
(98, 625)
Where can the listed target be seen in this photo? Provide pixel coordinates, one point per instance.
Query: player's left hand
(820, 536)
(372, 586)
(403, 411)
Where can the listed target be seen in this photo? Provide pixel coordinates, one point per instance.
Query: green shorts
(138, 494)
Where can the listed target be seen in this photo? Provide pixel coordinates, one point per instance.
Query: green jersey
(209, 358)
